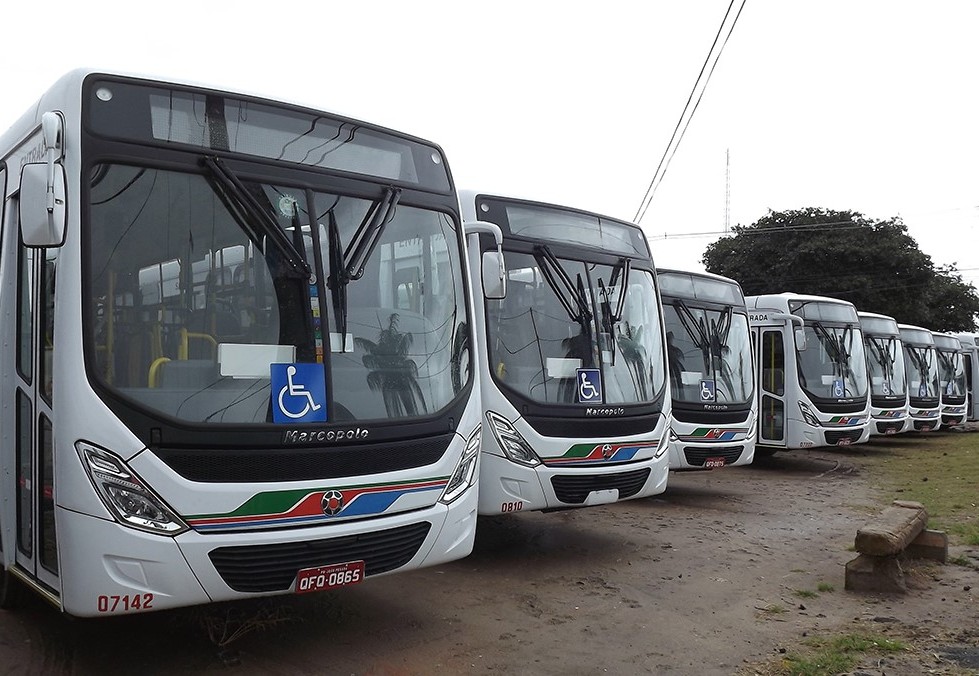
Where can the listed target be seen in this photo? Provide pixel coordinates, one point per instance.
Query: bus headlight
(130, 500)
(808, 415)
(510, 440)
(465, 472)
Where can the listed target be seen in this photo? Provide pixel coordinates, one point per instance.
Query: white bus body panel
(506, 486)
(923, 418)
(771, 313)
(705, 439)
(887, 420)
(98, 557)
(970, 346)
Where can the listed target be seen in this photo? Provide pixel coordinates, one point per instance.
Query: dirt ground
(705, 579)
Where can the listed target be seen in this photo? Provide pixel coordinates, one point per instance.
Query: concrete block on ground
(875, 574)
(930, 544)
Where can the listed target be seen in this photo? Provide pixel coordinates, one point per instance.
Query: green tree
(874, 264)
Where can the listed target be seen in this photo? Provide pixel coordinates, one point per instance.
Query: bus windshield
(886, 364)
(951, 370)
(708, 345)
(198, 283)
(543, 331)
(922, 370)
(833, 365)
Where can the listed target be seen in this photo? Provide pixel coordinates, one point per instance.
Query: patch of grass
(805, 594)
(941, 472)
(825, 587)
(773, 609)
(963, 560)
(837, 654)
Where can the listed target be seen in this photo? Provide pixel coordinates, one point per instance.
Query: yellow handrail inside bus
(154, 374)
(183, 351)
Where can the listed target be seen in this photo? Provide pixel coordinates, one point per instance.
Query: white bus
(712, 378)
(924, 394)
(812, 373)
(951, 378)
(970, 360)
(572, 362)
(885, 368)
(239, 350)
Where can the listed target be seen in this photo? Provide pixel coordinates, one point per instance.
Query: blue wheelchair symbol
(838, 390)
(298, 393)
(708, 391)
(589, 383)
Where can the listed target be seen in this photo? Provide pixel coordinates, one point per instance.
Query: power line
(668, 154)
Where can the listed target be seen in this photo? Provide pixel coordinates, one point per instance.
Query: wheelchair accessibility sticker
(708, 390)
(298, 393)
(589, 382)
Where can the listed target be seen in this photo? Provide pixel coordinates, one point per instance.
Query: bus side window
(772, 363)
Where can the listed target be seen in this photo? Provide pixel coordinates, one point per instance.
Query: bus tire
(12, 591)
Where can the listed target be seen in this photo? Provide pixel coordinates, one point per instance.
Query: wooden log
(893, 530)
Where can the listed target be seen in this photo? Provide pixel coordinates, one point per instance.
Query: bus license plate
(713, 462)
(329, 577)
(844, 441)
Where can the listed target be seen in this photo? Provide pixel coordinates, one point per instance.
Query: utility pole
(727, 192)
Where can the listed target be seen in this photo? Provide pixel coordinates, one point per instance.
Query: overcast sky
(868, 105)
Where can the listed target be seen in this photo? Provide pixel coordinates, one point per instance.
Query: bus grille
(889, 427)
(573, 489)
(924, 425)
(698, 456)
(269, 568)
(834, 437)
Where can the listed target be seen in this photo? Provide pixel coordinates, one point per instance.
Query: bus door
(770, 348)
(35, 538)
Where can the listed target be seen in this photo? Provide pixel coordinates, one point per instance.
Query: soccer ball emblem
(332, 502)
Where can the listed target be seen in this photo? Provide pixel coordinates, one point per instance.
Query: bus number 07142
(124, 602)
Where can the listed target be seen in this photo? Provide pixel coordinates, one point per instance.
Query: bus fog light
(125, 495)
(514, 446)
(465, 472)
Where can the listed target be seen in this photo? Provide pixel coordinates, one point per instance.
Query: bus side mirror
(493, 266)
(42, 221)
(800, 340)
(494, 275)
(42, 190)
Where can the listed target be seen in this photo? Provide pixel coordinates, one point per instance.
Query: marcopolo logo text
(320, 436)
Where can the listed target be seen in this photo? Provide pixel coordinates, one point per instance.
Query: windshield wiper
(337, 282)
(882, 355)
(347, 265)
(708, 336)
(256, 222)
(554, 273)
(362, 244)
(836, 348)
(610, 318)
